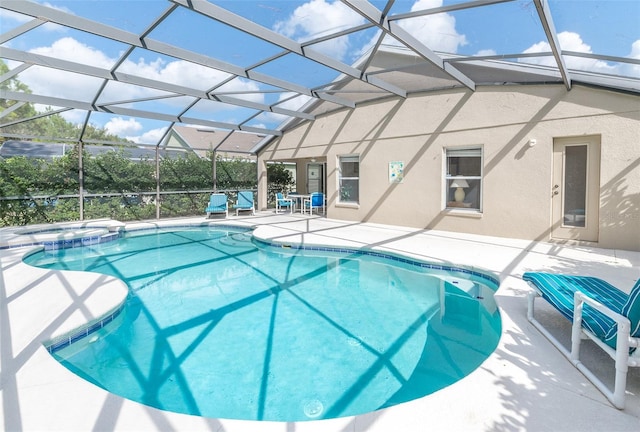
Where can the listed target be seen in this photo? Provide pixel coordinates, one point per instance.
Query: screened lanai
(136, 70)
(500, 136)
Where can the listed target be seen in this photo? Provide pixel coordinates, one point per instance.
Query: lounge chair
(315, 201)
(217, 205)
(245, 202)
(282, 202)
(599, 311)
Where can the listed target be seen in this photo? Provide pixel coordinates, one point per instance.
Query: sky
(607, 27)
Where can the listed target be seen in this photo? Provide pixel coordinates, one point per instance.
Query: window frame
(460, 152)
(340, 178)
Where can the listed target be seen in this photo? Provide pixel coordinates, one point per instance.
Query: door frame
(323, 178)
(559, 228)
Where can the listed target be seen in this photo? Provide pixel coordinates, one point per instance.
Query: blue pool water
(218, 326)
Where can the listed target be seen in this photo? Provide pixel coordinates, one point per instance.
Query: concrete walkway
(525, 385)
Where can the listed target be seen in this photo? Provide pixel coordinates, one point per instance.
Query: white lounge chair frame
(623, 360)
(309, 202)
(291, 206)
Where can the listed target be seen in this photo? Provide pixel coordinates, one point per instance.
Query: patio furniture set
(218, 203)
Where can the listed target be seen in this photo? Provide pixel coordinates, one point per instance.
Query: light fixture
(532, 142)
(459, 184)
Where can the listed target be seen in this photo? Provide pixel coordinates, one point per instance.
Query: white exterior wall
(517, 179)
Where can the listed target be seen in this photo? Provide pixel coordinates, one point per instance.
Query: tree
(114, 171)
(109, 172)
(279, 179)
(233, 173)
(50, 126)
(189, 172)
(25, 111)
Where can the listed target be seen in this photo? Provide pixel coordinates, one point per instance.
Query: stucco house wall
(517, 177)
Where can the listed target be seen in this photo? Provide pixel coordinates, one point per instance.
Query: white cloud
(183, 73)
(250, 88)
(57, 83)
(485, 52)
(630, 69)
(13, 16)
(177, 72)
(74, 116)
(569, 41)
(152, 136)
(303, 24)
(123, 127)
(60, 8)
(67, 48)
(9, 18)
(438, 32)
(292, 104)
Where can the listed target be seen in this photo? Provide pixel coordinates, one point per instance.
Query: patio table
(299, 200)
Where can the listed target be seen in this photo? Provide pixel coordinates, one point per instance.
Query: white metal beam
(542, 6)
(86, 106)
(106, 74)
(229, 18)
(371, 13)
(72, 21)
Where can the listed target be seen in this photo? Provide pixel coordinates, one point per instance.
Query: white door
(576, 186)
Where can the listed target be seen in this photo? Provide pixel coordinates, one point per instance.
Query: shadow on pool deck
(525, 385)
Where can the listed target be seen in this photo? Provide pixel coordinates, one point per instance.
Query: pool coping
(72, 234)
(49, 394)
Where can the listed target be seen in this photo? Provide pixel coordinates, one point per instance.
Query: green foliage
(114, 171)
(236, 174)
(126, 208)
(18, 176)
(41, 183)
(183, 205)
(279, 179)
(59, 176)
(185, 173)
(35, 189)
(25, 111)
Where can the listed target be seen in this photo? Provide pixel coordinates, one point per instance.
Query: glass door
(576, 185)
(315, 177)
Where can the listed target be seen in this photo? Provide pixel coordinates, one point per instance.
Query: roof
(100, 62)
(217, 139)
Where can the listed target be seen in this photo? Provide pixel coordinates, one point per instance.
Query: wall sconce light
(313, 160)
(532, 142)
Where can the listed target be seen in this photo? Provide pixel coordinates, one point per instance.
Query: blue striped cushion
(558, 290)
(631, 309)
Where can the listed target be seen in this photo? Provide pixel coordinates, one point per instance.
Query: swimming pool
(219, 326)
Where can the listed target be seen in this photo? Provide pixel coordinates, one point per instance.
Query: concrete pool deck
(526, 384)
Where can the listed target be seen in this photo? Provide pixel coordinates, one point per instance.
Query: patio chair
(599, 311)
(217, 205)
(315, 201)
(282, 202)
(245, 202)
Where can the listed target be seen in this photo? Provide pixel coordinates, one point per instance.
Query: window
(463, 178)
(349, 179)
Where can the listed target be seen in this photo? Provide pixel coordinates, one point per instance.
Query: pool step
(237, 239)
